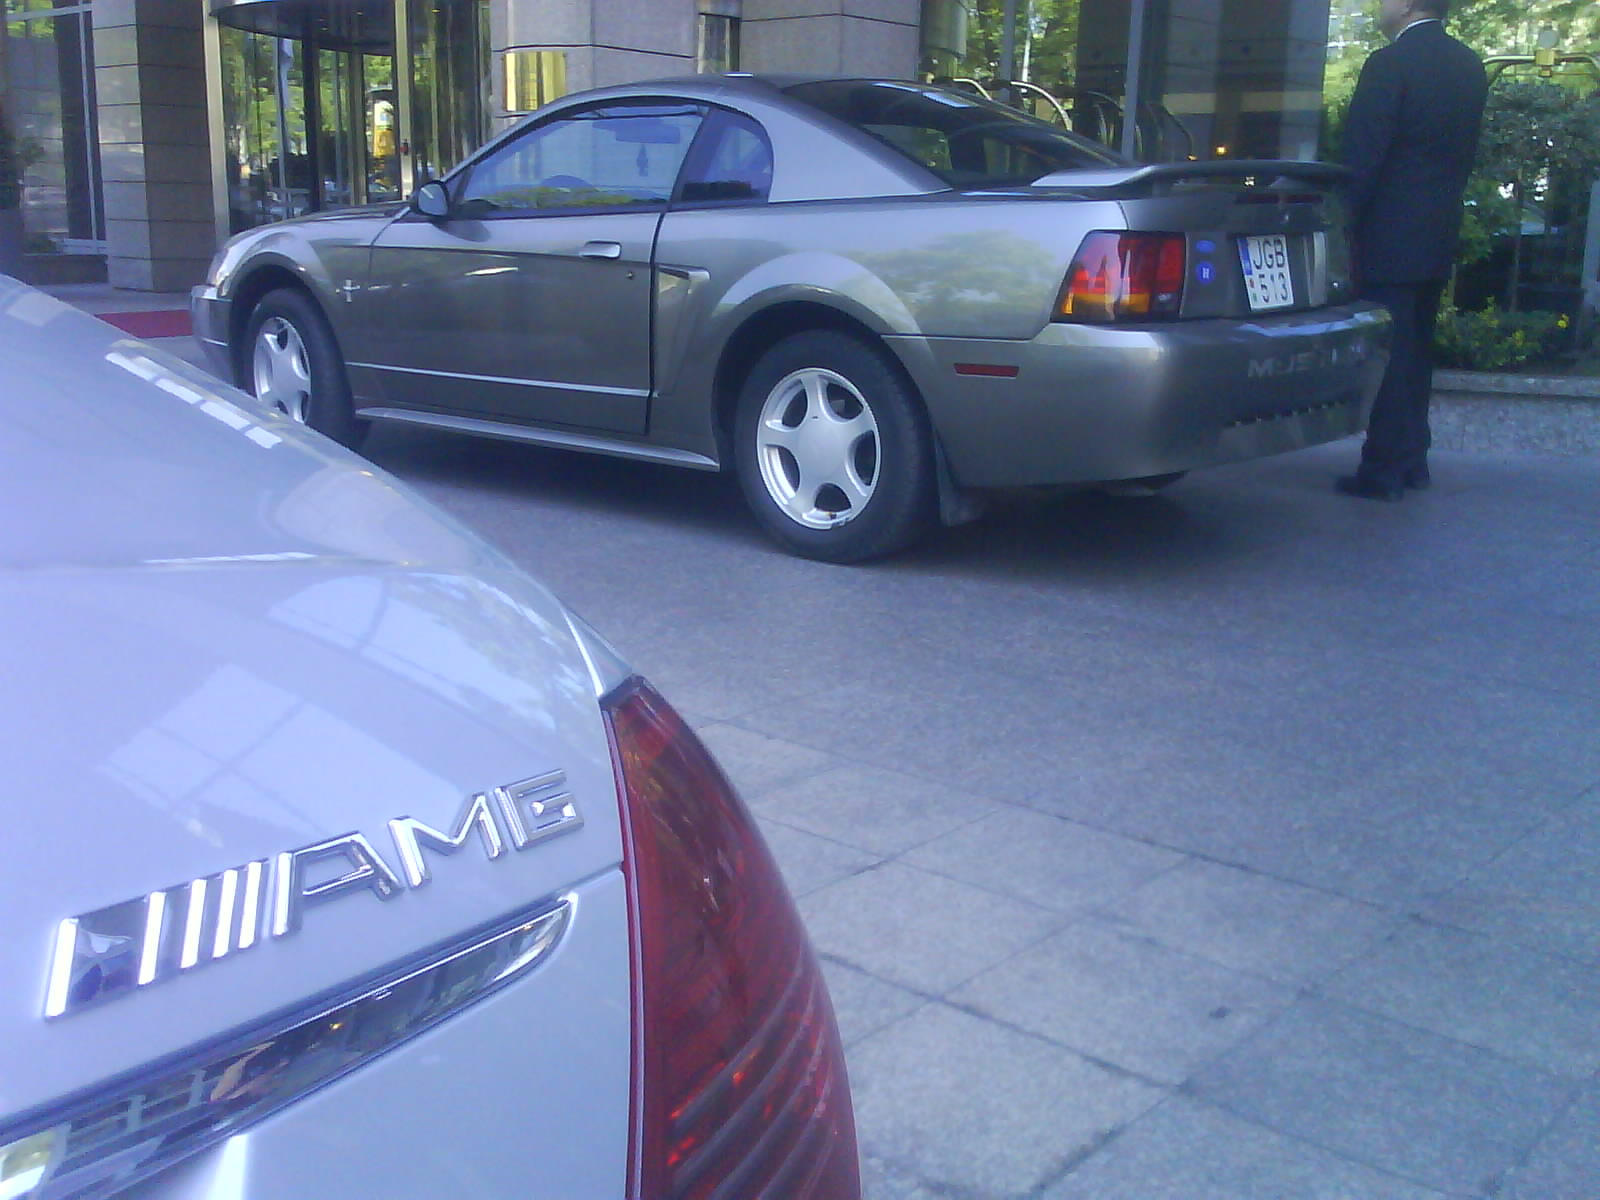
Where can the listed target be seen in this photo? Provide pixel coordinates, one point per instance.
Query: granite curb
(1525, 414)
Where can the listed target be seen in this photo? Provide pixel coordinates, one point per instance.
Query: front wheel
(833, 449)
(293, 364)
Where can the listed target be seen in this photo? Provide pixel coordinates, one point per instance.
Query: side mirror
(431, 200)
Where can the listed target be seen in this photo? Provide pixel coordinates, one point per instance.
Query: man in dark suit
(1410, 139)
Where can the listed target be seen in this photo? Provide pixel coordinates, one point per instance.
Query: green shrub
(1493, 340)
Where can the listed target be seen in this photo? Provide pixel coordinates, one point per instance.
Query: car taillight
(1124, 277)
(739, 1078)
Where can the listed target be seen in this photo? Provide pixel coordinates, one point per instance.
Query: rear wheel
(834, 451)
(294, 365)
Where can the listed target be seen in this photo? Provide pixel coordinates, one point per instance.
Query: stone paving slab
(983, 1108)
(1567, 1162)
(1429, 1109)
(1250, 922)
(1542, 892)
(1042, 859)
(920, 930)
(882, 812)
(1184, 1150)
(1530, 1007)
(1125, 1001)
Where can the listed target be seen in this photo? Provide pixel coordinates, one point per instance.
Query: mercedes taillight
(1118, 277)
(739, 1086)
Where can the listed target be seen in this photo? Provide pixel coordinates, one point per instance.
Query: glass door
(47, 88)
(450, 80)
(380, 126)
(306, 128)
(341, 147)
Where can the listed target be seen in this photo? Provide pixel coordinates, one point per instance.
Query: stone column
(843, 37)
(601, 42)
(154, 142)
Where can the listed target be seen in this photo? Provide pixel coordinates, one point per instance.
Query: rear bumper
(1089, 404)
(209, 313)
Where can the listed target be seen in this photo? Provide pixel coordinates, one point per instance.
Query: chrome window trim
(212, 1092)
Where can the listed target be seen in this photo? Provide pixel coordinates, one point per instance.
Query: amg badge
(114, 950)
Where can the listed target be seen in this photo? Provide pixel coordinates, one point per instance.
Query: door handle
(601, 250)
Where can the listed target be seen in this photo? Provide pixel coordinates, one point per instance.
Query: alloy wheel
(817, 446)
(282, 369)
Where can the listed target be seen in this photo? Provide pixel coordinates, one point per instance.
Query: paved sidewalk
(1240, 842)
(160, 318)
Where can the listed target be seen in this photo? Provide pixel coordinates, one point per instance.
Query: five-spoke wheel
(833, 448)
(817, 443)
(281, 370)
(291, 360)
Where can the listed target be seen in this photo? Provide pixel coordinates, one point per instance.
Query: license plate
(1265, 260)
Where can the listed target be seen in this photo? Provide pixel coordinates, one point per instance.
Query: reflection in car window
(601, 157)
(736, 165)
(966, 141)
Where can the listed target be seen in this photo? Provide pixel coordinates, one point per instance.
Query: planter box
(44, 270)
(1532, 414)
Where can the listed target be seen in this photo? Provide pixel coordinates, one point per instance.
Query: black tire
(299, 342)
(1145, 485)
(1157, 483)
(881, 449)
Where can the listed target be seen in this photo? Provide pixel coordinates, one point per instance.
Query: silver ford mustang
(340, 859)
(872, 299)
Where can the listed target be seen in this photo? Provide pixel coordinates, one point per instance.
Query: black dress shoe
(1418, 479)
(1368, 488)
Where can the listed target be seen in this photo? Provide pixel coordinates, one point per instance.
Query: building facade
(158, 127)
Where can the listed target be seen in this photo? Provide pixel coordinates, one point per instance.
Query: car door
(531, 301)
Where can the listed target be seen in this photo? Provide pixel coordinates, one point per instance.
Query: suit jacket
(1410, 138)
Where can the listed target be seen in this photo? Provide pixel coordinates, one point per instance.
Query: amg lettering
(114, 950)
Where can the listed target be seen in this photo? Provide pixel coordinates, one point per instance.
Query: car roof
(871, 171)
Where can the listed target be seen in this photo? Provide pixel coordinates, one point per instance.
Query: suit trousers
(1398, 436)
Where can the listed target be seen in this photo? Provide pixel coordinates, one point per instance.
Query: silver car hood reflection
(226, 639)
(157, 463)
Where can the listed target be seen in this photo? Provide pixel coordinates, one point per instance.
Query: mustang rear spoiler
(1154, 177)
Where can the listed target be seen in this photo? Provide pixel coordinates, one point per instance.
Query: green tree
(1046, 42)
(1539, 146)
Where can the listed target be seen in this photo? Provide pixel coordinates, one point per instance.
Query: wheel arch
(762, 330)
(247, 294)
(765, 329)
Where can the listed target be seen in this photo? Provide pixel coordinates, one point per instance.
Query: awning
(366, 25)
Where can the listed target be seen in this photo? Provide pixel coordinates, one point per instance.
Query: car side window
(618, 156)
(733, 163)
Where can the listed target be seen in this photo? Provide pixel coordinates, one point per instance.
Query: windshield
(967, 141)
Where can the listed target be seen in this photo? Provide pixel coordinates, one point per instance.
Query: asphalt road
(1238, 842)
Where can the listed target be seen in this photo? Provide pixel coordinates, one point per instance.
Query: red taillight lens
(740, 1086)
(1124, 277)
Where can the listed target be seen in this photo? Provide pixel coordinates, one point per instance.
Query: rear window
(965, 140)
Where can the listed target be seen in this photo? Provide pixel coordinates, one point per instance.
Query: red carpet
(172, 322)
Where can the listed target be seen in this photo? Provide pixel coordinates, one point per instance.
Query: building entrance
(315, 114)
